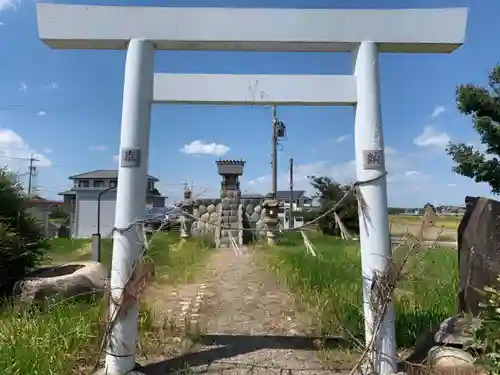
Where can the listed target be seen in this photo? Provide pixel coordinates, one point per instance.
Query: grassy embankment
(331, 285)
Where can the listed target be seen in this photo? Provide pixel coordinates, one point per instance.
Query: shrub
(486, 332)
(22, 244)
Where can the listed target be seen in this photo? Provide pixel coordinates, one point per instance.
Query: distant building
(40, 209)
(82, 199)
(297, 201)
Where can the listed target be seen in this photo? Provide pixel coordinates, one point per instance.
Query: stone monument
(478, 251)
(230, 215)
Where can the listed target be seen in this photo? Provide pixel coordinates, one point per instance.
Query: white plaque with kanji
(131, 157)
(373, 159)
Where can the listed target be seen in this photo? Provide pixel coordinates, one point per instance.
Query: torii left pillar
(130, 206)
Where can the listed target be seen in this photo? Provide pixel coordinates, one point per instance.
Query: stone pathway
(249, 323)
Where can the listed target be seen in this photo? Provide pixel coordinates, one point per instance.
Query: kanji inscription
(373, 159)
(131, 157)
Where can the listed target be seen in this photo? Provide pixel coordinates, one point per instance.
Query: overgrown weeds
(172, 262)
(331, 285)
(51, 342)
(486, 331)
(178, 263)
(62, 339)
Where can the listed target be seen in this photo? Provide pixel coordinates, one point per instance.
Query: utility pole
(279, 131)
(274, 153)
(290, 219)
(31, 173)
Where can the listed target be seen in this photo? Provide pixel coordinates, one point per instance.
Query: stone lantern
(187, 206)
(271, 220)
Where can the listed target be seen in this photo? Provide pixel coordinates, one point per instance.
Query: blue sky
(65, 107)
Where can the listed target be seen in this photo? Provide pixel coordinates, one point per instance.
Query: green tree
(483, 105)
(396, 210)
(431, 206)
(330, 193)
(308, 214)
(22, 244)
(58, 212)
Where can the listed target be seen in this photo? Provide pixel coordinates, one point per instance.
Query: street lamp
(96, 238)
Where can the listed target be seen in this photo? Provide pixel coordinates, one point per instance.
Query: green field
(331, 285)
(450, 222)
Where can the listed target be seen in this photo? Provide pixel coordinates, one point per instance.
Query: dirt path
(250, 325)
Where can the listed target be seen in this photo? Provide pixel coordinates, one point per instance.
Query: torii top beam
(317, 30)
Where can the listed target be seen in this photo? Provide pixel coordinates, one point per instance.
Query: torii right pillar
(373, 216)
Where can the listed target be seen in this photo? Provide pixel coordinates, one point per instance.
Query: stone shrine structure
(230, 211)
(215, 217)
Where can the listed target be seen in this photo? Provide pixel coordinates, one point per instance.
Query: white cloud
(342, 138)
(258, 180)
(390, 150)
(412, 173)
(23, 87)
(407, 176)
(41, 113)
(6, 4)
(16, 152)
(98, 148)
(438, 110)
(199, 147)
(47, 150)
(452, 185)
(397, 164)
(52, 86)
(342, 173)
(431, 137)
(416, 175)
(116, 158)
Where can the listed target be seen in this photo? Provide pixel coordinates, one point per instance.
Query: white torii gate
(142, 30)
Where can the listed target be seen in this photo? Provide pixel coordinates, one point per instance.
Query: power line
(16, 157)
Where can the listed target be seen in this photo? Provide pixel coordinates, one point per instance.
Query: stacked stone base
(206, 225)
(237, 214)
(230, 219)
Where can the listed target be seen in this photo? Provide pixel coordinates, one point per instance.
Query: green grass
(65, 249)
(172, 264)
(63, 340)
(48, 343)
(66, 338)
(331, 285)
(176, 263)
